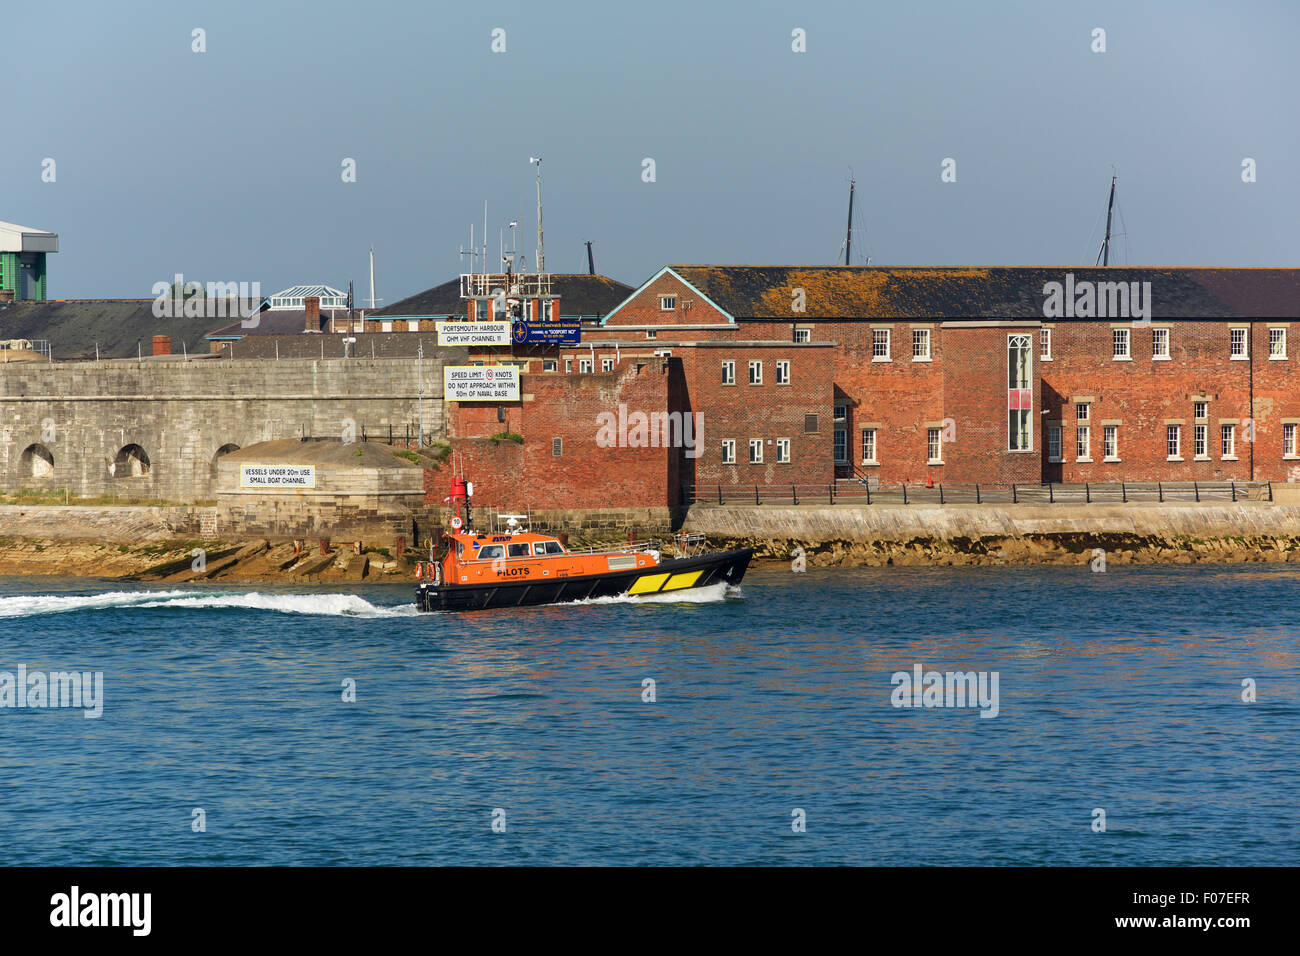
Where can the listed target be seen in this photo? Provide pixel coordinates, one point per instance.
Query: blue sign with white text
(525, 331)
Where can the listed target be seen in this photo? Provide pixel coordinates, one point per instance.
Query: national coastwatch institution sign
(480, 383)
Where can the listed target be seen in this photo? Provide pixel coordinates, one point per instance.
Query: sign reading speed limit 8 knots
(480, 383)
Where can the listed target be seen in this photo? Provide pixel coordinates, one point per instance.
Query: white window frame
(1228, 442)
(920, 345)
(803, 335)
(1044, 345)
(1276, 337)
(1237, 336)
(668, 303)
(728, 451)
(1083, 443)
(607, 365)
(1110, 443)
(934, 446)
(880, 345)
(1173, 443)
(568, 365)
(755, 371)
(756, 451)
(1200, 410)
(550, 365)
(1082, 411)
(783, 451)
(1121, 345)
(1289, 440)
(783, 372)
(1201, 441)
(728, 372)
(1158, 354)
(584, 366)
(873, 460)
(652, 333)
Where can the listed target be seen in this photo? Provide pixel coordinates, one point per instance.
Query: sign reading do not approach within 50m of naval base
(480, 383)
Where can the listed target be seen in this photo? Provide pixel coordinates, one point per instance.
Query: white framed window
(1201, 441)
(1228, 441)
(783, 451)
(568, 365)
(607, 365)
(728, 451)
(880, 345)
(756, 373)
(934, 446)
(386, 326)
(1083, 442)
(728, 372)
(1045, 344)
(652, 333)
(783, 372)
(1200, 410)
(1238, 343)
(584, 365)
(920, 345)
(1081, 411)
(1174, 442)
(549, 365)
(1119, 344)
(667, 303)
(756, 451)
(1277, 343)
(1110, 442)
(803, 335)
(1159, 344)
(1054, 443)
(868, 446)
(1020, 424)
(1288, 440)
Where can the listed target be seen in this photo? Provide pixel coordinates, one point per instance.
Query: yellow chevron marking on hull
(679, 581)
(647, 584)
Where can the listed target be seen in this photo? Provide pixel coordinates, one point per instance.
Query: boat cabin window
(547, 547)
(490, 552)
(518, 550)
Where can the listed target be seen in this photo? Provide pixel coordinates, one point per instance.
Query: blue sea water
(1118, 691)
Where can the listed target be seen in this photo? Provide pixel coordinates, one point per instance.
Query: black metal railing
(849, 491)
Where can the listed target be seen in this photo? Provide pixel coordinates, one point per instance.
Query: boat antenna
(1103, 254)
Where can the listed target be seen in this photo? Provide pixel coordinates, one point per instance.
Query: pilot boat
(515, 567)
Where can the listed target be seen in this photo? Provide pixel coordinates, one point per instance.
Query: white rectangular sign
(480, 383)
(277, 476)
(473, 333)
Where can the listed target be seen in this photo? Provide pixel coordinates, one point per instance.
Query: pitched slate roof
(579, 293)
(72, 327)
(942, 292)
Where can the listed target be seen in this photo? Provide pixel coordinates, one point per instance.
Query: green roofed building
(22, 262)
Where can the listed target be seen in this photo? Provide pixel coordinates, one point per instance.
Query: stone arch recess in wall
(131, 462)
(37, 461)
(224, 450)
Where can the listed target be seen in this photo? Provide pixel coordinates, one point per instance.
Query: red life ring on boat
(419, 569)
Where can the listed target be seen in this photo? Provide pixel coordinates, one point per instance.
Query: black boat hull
(676, 575)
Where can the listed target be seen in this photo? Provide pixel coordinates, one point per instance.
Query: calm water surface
(1119, 691)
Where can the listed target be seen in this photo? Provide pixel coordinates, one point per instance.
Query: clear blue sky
(225, 165)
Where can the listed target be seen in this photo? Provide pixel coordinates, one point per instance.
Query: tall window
(1228, 440)
(756, 451)
(880, 345)
(783, 373)
(1019, 392)
(1045, 344)
(728, 373)
(935, 446)
(1119, 343)
(1239, 343)
(756, 373)
(1288, 440)
(1174, 440)
(869, 445)
(1277, 343)
(841, 446)
(1160, 343)
(1083, 439)
(1054, 443)
(920, 345)
(783, 450)
(584, 365)
(1201, 441)
(1110, 442)
(729, 451)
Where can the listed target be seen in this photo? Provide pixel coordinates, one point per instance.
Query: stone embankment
(843, 536)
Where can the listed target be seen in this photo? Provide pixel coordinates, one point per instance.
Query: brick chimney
(162, 345)
(311, 320)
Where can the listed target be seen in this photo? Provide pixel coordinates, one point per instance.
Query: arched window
(131, 462)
